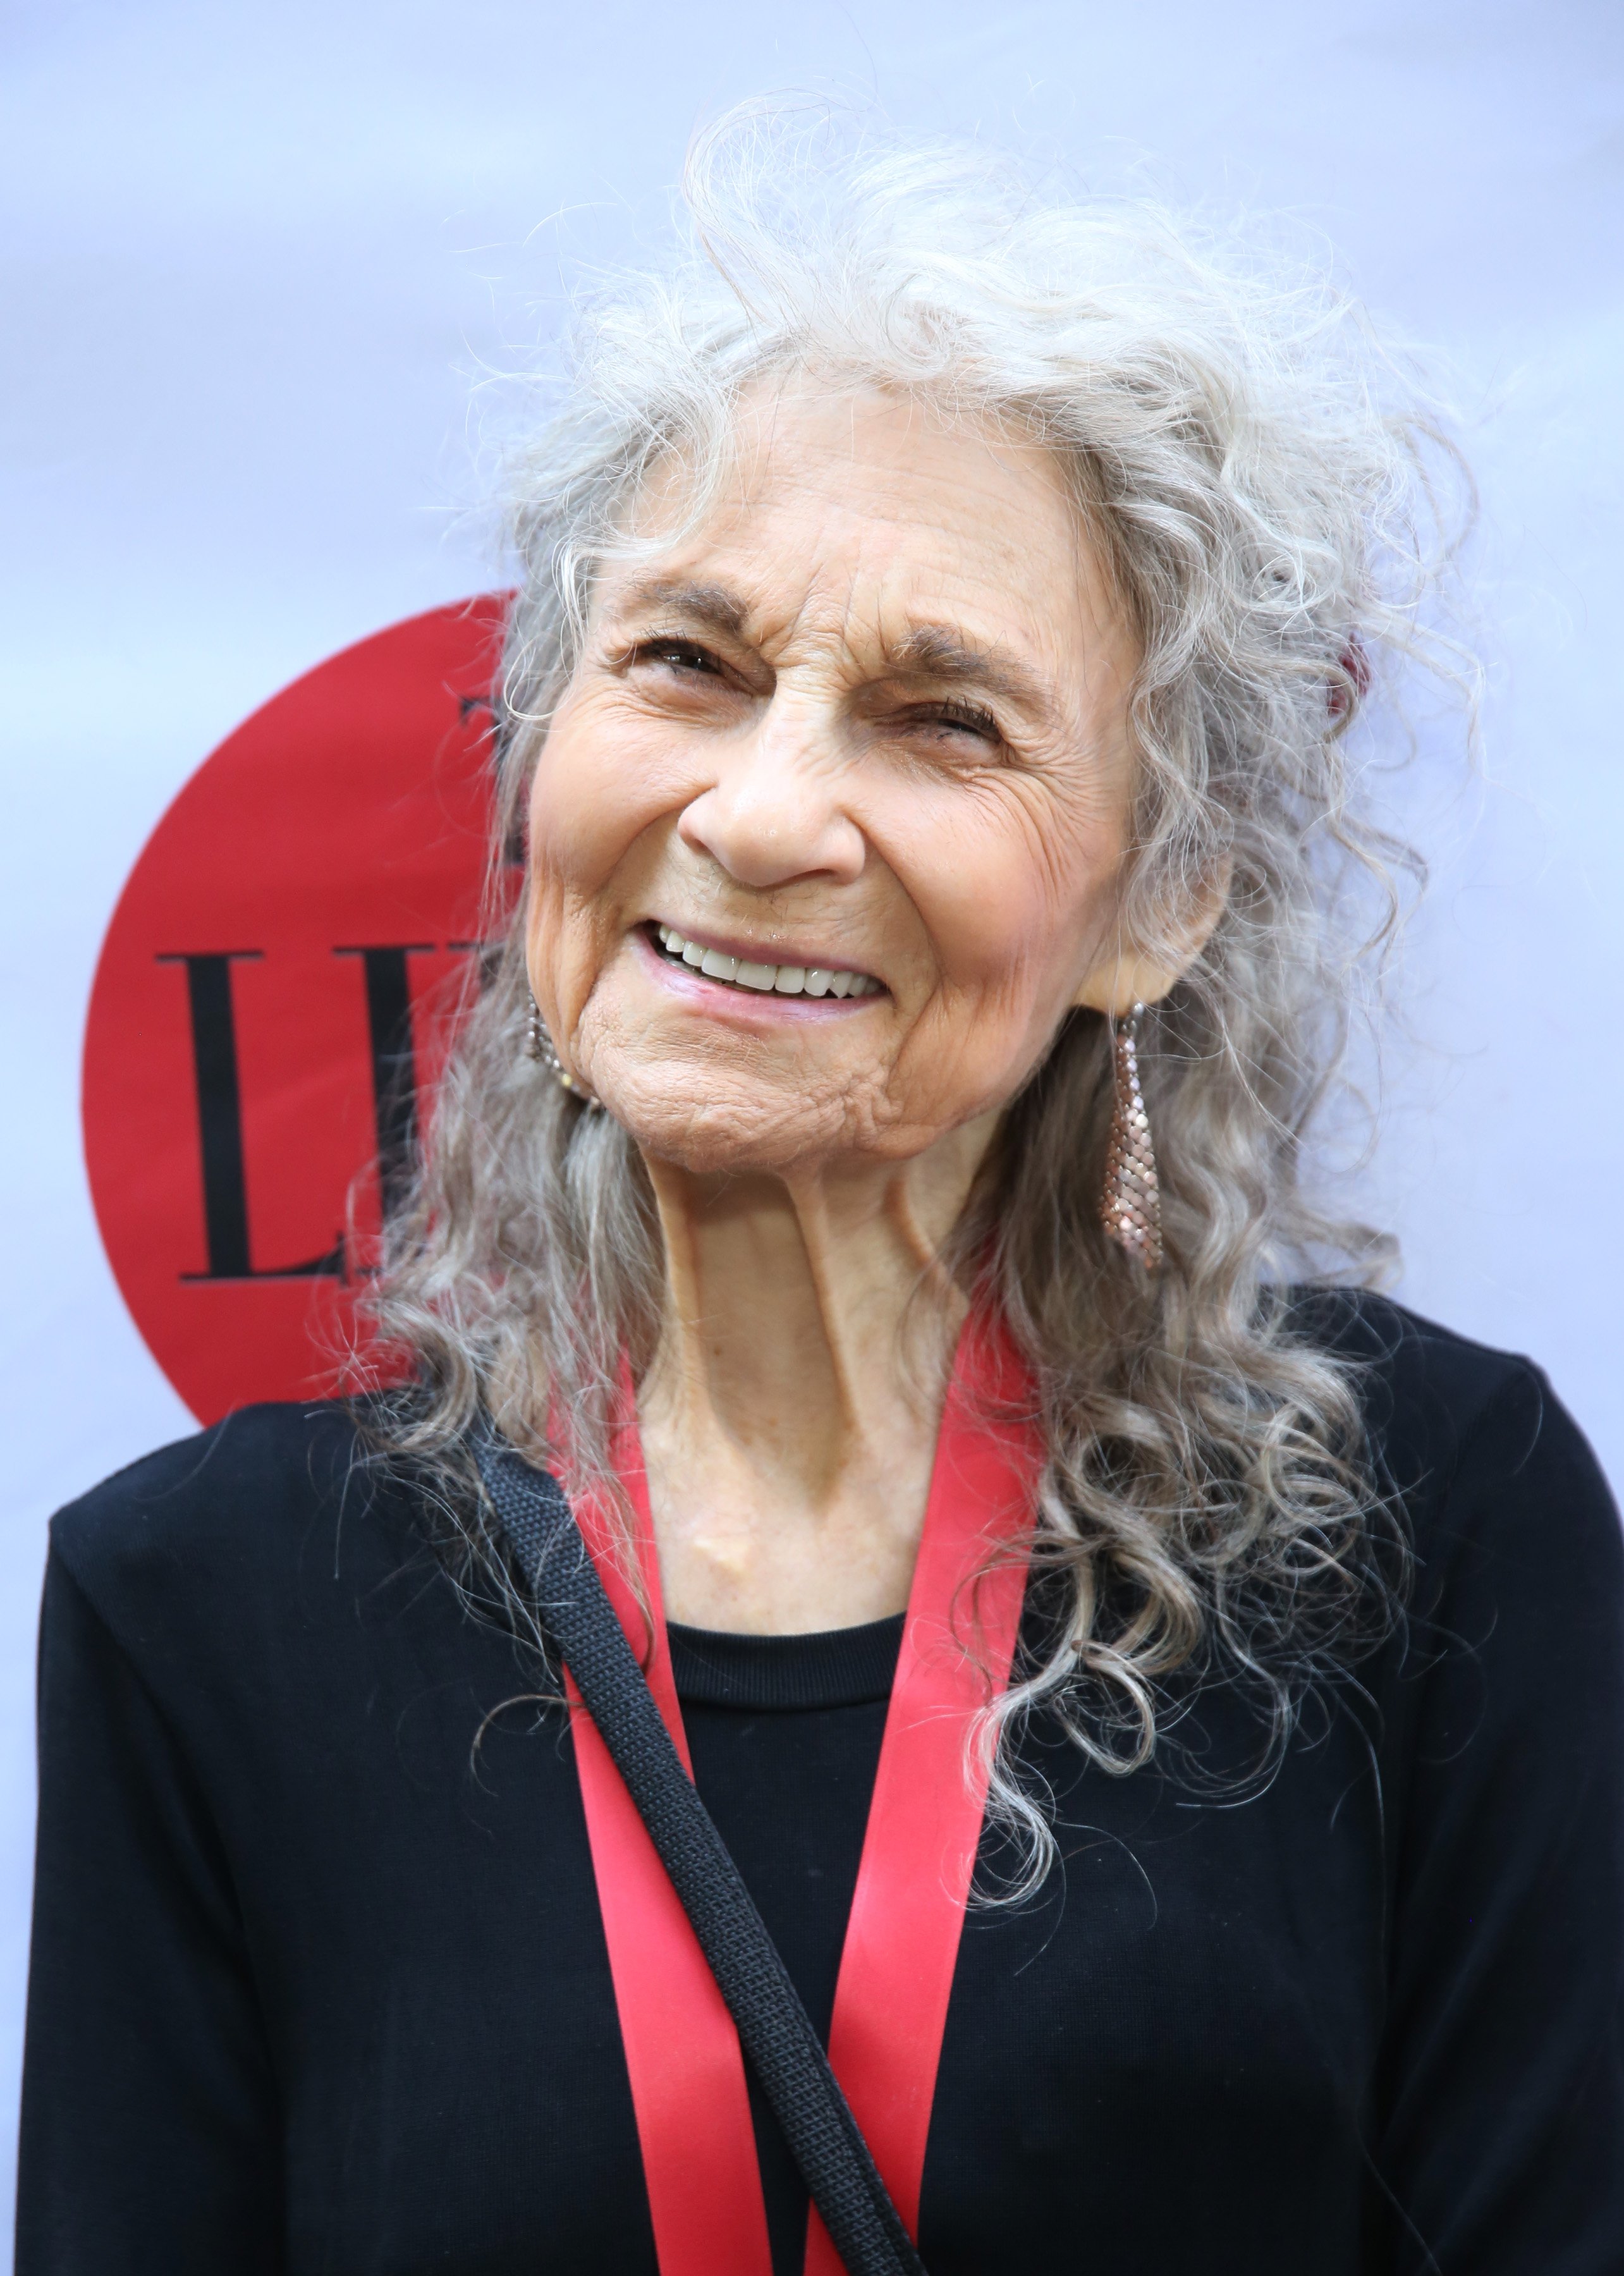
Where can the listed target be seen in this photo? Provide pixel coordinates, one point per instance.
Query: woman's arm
(1503, 2142)
(151, 2140)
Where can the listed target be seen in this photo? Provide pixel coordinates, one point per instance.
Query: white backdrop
(252, 256)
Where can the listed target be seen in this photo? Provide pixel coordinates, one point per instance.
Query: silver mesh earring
(539, 1046)
(1131, 1206)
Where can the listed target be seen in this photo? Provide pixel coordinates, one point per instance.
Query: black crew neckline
(836, 1667)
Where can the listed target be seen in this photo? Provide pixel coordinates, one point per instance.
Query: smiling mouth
(764, 978)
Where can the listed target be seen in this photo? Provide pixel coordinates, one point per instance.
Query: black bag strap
(773, 2026)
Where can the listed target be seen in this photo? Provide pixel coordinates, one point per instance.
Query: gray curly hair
(1269, 492)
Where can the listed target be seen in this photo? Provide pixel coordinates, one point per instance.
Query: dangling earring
(1131, 1206)
(539, 1046)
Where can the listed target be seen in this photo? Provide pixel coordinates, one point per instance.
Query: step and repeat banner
(272, 1003)
(264, 267)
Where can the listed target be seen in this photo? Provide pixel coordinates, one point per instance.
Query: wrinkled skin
(793, 786)
(871, 715)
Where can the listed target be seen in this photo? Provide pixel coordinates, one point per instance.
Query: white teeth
(766, 979)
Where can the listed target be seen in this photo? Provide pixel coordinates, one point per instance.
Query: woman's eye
(973, 722)
(677, 656)
(963, 718)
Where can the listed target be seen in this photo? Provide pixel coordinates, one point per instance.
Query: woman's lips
(732, 966)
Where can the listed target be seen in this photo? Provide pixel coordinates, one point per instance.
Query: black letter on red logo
(394, 1064)
(219, 1120)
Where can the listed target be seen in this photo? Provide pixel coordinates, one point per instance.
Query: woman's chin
(716, 1136)
(728, 1123)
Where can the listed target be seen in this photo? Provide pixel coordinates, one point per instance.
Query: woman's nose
(774, 814)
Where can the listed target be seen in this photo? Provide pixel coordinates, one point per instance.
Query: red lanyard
(924, 1824)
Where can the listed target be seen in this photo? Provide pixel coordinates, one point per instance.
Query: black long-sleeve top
(319, 1983)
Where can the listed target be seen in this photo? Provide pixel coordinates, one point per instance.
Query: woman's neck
(789, 1426)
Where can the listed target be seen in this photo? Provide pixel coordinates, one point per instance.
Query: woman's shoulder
(1416, 1374)
(272, 1498)
(1493, 1473)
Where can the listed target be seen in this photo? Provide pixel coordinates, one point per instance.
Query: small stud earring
(1131, 1206)
(538, 1045)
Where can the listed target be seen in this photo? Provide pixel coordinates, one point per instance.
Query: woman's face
(863, 728)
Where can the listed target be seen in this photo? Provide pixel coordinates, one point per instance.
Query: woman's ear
(1123, 977)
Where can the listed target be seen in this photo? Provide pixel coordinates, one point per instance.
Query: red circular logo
(262, 1029)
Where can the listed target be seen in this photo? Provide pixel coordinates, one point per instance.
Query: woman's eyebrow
(714, 606)
(937, 652)
(942, 653)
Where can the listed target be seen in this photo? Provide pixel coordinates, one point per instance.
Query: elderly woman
(1162, 1701)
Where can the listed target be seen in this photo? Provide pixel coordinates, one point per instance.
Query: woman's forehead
(867, 466)
(868, 516)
